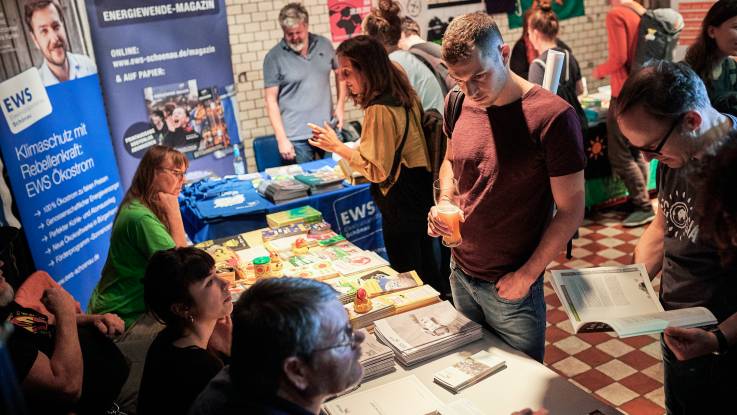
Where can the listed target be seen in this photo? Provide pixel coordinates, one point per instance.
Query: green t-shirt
(137, 234)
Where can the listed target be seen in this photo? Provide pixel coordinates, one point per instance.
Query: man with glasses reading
(293, 347)
(664, 111)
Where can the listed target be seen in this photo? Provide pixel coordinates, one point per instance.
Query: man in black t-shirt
(65, 363)
(664, 111)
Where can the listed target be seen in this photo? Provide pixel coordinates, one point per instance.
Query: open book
(619, 299)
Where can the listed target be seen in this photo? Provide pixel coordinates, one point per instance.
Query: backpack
(657, 36)
(452, 113)
(567, 89)
(432, 130)
(428, 54)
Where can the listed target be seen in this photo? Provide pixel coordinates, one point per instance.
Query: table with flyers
(523, 383)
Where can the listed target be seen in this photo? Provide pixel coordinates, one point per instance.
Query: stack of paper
(278, 191)
(426, 332)
(469, 371)
(321, 181)
(377, 359)
(378, 311)
(304, 214)
(410, 299)
(406, 396)
(378, 282)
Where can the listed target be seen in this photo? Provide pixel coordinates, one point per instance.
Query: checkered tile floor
(626, 373)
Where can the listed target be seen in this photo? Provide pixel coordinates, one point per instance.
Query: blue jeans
(520, 323)
(703, 385)
(304, 152)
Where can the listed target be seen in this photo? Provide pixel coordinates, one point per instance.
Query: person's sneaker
(638, 218)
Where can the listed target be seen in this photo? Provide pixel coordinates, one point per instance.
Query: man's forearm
(342, 92)
(66, 361)
(272, 111)
(649, 249)
(556, 236)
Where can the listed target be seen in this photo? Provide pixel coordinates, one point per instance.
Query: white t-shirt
(79, 66)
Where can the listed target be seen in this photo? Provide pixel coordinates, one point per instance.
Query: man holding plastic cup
(516, 152)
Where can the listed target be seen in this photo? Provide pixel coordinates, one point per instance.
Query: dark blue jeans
(520, 323)
(704, 385)
(305, 152)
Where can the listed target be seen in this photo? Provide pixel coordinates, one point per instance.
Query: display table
(603, 188)
(350, 211)
(524, 383)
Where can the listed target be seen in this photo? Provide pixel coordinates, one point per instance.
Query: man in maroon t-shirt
(516, 151)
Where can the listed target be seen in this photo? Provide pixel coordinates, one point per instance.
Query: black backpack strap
(453, 109)
(398, 155)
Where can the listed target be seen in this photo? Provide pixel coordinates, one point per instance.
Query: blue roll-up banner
(168, 79)
(56, 148)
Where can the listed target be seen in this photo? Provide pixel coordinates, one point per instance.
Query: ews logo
(17, 100)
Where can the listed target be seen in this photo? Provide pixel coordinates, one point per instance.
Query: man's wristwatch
(721, 340)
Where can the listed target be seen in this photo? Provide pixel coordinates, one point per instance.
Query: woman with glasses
(712, 55)
(148, 220)
(182, 290)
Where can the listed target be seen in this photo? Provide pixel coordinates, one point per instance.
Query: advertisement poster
(434, 16)
(168, 79)
(564, 9)
(346, 17)
(56, 145)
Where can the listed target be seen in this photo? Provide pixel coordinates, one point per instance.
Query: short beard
(297, 47)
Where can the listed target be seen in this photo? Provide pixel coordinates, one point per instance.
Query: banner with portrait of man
(55, 142)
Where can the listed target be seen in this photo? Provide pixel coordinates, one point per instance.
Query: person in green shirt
(712, 55)
(149, 220)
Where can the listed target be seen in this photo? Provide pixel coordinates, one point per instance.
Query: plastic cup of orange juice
(450, 214)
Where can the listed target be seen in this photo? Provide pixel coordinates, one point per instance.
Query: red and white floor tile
(626, 373)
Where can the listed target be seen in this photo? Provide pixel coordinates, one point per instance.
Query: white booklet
(469, 371)
(406, 396)
(619, 299)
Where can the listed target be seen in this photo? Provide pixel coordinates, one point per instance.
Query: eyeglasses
(178, 173)
(662, 141)
(349, 340)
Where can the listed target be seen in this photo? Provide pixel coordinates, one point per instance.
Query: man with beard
(297, 85)
(290, 362)
(45, 22)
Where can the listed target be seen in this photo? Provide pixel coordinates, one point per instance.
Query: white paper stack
(406, 396)
(378, 311)
(426, 332)
(469, 371)
(377, 359)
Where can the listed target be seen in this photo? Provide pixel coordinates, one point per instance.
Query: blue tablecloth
(350, 211)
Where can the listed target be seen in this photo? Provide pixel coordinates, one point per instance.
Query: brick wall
(254, 30)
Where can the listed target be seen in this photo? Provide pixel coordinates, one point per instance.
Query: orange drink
(450, 214)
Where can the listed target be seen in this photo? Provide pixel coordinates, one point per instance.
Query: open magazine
(619, 299)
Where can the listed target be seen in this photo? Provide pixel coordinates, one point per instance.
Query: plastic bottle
(238, 166)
